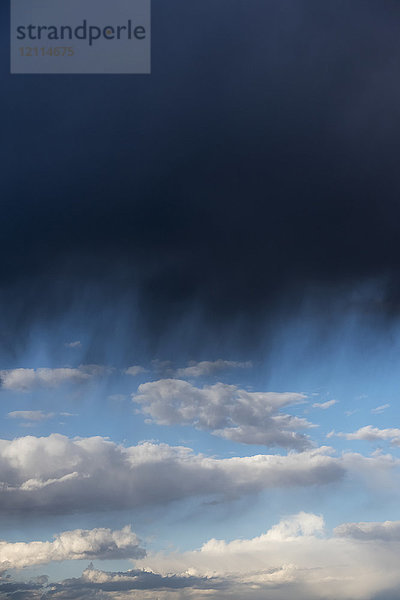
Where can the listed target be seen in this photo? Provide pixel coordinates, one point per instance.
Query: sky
(199, 312)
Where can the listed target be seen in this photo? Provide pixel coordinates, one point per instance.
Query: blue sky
(339, 388)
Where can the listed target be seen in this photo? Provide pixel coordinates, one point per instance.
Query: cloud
(117, 397)
(31, 415)
(225, 252)
(388, 531)
(374, 434)
(380, 409)
(58, 475)
(295, 558)
(80, 544)
(324, 405)
(227, 411)
(76, 344)
(25, 380)
(22, 590)
(94, 581)
(206, 368)
(135, 370)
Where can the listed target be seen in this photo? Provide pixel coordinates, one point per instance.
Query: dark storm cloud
(92, 584)
(130, 580)
(18, 590)
(255, 168)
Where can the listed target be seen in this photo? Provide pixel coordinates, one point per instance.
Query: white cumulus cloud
(80, 544)
(294, 559)
(374, 434)
(58, 475)
(227, 411)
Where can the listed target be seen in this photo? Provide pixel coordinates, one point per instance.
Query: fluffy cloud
(206, 368)
(102, 544)
(294, 559)
(373, 434)
(25, 380)
(58, 475)
(229, 412)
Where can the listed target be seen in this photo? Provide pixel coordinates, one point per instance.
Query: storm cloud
(238, 189)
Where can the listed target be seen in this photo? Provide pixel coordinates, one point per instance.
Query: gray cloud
(30, 415)
(295, 558)
(25, 380)
(374, 434)
(206, 368)
(56, 474)
(22, 590)
(135, 370)
(388, 531)
(94, 583)
(100, 581)
(227, 411)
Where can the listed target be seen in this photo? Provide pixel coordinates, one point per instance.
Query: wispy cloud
(325, 405)
(206, 368)
(31, 415)
(25, 380)
(76, 344)
(135, 370)
(380, 409)
(117, 397)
